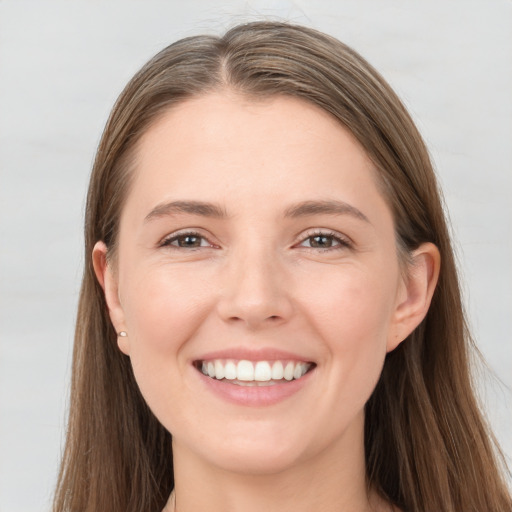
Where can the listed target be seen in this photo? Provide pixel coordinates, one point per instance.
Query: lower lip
(254, 396)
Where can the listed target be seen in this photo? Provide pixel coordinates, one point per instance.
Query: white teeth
(245, 370)
(277, 370)
(230, 370)
(288, 371)
(219, 370)
(262, 371)
(297, 372)
(248, 372)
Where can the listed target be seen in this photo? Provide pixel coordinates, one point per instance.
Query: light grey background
(62, 65)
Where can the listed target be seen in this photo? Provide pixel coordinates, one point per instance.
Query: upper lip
(252, 354)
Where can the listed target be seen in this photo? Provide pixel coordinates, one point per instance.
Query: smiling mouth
(254, 373)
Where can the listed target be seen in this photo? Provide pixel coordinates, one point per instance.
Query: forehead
(225, 128)
(247, 153)
(221, 120)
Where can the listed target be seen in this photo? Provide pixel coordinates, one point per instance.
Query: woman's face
(255, 245)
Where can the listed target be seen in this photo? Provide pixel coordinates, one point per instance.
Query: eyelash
(342, 242)
(167, 242)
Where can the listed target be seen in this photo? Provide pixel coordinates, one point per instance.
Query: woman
(270, 316)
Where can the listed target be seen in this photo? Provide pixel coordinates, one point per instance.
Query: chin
(260, 450)
(257, 461)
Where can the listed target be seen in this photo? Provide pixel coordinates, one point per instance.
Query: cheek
(352, 307)
(163, 309)
(353, 315)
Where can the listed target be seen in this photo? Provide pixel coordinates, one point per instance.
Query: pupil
(189, 241)
(321, 241)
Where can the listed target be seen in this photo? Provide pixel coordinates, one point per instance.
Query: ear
(108, 281)
(417, 289)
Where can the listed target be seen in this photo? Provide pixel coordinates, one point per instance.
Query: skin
(257, 280)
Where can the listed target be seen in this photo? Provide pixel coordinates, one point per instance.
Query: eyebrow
(303, 209)
(331, 207)
(191, 207)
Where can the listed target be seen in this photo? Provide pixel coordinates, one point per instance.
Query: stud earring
(122, 334)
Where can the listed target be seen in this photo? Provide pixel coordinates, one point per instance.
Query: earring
(122, 334)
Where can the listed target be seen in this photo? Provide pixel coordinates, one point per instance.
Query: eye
(325, 241)
(188, 240)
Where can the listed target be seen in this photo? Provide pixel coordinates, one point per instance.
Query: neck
(332, 481)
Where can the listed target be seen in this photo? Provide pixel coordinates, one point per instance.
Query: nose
(254, 291)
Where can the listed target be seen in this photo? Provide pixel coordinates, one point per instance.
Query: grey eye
(321, 241)
(186, 241)
(325, 241)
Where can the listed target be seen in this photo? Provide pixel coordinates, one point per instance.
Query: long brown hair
(427, 445)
